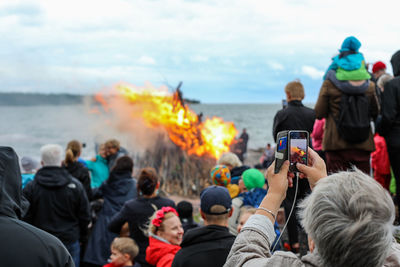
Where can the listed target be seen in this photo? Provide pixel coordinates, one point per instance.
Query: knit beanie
(253, 178)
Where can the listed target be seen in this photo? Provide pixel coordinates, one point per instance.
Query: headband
(160, 214)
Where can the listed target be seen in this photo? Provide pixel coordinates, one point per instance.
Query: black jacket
(137, 213)
(390, 124)
(294, 117)
(80, 172)
(116, 190)
(204, 246)
(22, 244)
(58, 204)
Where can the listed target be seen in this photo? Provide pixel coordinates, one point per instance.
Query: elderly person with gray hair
(348, 218)
(58, 202)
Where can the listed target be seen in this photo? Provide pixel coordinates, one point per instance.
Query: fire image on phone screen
(298, 148)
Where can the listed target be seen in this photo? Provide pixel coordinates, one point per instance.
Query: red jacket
(159, 253)
(380, 158)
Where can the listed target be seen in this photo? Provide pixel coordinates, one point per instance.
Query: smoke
(120, 119)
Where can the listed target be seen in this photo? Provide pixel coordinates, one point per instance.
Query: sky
(225, 51)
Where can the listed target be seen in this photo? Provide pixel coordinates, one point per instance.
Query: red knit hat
(378, 66)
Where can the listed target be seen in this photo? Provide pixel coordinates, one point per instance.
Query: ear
(231, 211)
(126, 257)
(202, 214)
(158, 185)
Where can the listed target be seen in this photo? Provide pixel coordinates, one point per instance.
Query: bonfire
(184, 146)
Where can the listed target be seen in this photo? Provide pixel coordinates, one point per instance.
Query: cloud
(312, 72)
(211, 45)
(199, 58)
(276, 66)
(146, 60)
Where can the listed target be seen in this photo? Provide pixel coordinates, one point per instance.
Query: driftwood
(181, 174)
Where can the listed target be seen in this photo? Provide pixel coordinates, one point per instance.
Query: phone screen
(298, 143)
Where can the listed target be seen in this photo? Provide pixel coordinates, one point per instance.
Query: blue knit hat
(351, 43)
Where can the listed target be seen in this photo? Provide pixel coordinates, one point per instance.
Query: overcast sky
(223, 51)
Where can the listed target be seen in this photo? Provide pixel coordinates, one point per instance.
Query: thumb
(285, 167)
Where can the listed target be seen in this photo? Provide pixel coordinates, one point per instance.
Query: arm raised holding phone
(341, 205)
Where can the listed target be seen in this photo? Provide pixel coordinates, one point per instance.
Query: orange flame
(211, 137)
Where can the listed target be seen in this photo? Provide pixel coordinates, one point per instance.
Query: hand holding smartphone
(292, 145)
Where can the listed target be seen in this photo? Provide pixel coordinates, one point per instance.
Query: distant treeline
(33, 99)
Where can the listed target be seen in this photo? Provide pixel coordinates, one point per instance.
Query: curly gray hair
(349, 216)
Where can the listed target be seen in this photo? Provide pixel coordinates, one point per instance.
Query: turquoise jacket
(99, 171)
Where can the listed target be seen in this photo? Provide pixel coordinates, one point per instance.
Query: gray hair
(229, 158)
(349, 216)
(383, 80)
(51, 155)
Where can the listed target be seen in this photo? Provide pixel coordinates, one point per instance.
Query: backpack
(353, 123)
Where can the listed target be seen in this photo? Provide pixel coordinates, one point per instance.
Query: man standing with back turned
(59, 204)
(295, 117)
(208, 245)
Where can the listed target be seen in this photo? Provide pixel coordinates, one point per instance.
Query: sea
(27, 128)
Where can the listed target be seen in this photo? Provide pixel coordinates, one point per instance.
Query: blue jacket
(118, 189)
(99, 171)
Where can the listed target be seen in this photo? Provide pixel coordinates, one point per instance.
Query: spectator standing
(378, 69)
(29, 167)
(294, 117)
(185, 211)
(115, 191)
(232, 161)
(341, 154)
(114, 151)
(317, 137)
(341, 205)
(76, 168)
(137, 212)
(165, 236)
(98, 167)
(208, 245)
(245, 137)
(390, 124)
(22, 244)
(58, 202)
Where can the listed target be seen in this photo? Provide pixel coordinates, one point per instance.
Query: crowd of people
(67, 211)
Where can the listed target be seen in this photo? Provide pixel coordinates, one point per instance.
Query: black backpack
(353, 124)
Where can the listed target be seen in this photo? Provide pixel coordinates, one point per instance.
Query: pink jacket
(318, 134)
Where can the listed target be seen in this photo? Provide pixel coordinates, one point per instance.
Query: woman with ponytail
(137, 212)
(76, 168)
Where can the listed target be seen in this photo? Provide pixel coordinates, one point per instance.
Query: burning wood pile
(176, 141)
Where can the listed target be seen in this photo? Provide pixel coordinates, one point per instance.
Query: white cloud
(147, 60)
(199, 58)
(276, 66)
(312, 72)
(186, 39)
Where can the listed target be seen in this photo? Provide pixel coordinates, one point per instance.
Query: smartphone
(297, 148)
(284, 103)
(281, 153)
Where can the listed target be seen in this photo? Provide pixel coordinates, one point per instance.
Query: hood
(52, 176)
(74, 167)
(119, 183)
(205, 234)
(351, 43)
(346, 86)
(158, 249)
(12, 203)
(395, 61)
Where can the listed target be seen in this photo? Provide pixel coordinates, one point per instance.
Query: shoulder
(40, 246)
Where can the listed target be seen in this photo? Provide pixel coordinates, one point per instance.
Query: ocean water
(27, 128)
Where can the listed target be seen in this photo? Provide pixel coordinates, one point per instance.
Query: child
(123, 251)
